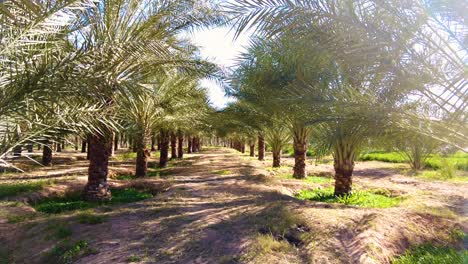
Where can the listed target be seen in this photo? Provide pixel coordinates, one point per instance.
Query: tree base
(99, 192)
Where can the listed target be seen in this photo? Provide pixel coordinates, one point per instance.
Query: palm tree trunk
(180, 149)
(116, 142)
(164, 157)
(277, 158)
(99, 149)
(242, 147)
(173, 146)
(252, 149)
(141, 169)
(113, 139)
(88, 142)
(30, 147)
(189, 144)
(300, 151)
(153, 142)
(194, 144)
(83, 146)
(158, 140)
(76, 143)
(343, 176)
(261, 147)
(59, 147)
(46, 154)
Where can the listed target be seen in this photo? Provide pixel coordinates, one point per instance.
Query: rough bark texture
(343, 176)
(76, 143)
(276, 159)
(164, 157)
(194, 144)
(141, 167)
(180, 146)
(116, 142)
(113, 139)
(83, 146)
(46, 154)
(97, 188)
(300, 151)
(158, 139)
(153, 142)
(173, 146)
(252, 150)
(189, 144)
(88, 142)
(261, 148)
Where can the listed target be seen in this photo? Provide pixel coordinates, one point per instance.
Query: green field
(459, 159)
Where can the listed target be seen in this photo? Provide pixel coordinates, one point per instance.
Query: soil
(206, 207)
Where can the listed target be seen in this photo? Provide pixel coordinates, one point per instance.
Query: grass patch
(440, 176)
(68, 252)
(428, 254)
(125, 156)
(310, 179)
(61, 231)
(125, 177)
(134, 258)
(14, 219)
(459, 159)
(12, 189)
(222, 172)
(267, 244)
(74, 202)
(91, 218)
(369, 199)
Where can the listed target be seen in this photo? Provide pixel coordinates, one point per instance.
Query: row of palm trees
(338, 74)
(94, 68)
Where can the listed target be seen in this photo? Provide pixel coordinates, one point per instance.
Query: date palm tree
(124, 43)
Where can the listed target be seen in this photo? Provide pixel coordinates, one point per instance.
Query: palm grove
(331, 75)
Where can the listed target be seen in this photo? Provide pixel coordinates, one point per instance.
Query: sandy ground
(206, 217)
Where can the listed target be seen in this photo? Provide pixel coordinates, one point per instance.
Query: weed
(458, 160)
(428, 254)
(90, 218)
(457, 234)
(14, 219)
(222, 172)
(447, 169)
(125, 177)
(134, 258)
(268, 244)
(278, 220)
(435, 211)
(67, 252)
(12, 189)
(358, 198)
(74, 202)
(62, 232)
(310, 179)
(437, 175)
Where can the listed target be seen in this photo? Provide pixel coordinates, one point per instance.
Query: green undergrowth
(68, 251)
(441, 176)
(91, 218)
(73, 201)
(429, 254)
(12, 189)
(310, 179)
(222, 172)
(361, 198)
(459, 159)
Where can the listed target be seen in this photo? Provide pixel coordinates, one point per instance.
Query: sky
(218, 45)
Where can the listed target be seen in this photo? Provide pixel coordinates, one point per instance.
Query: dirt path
(219, 202)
